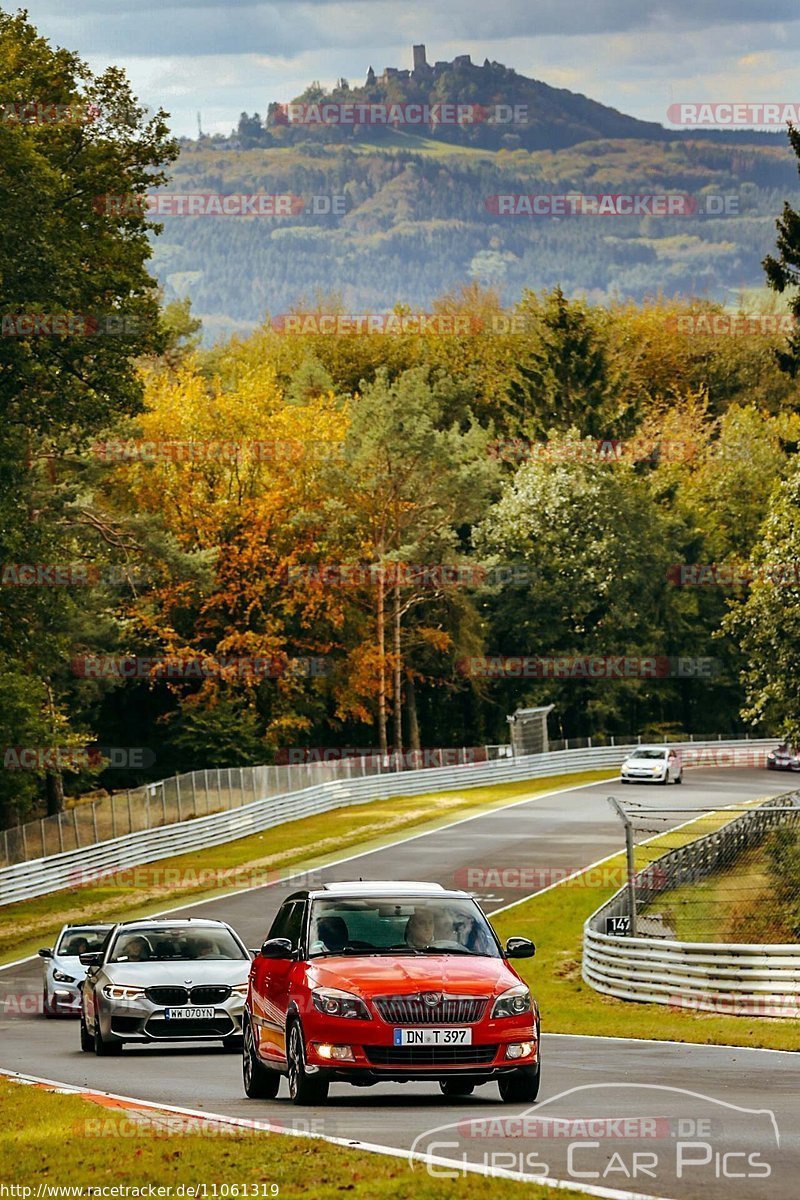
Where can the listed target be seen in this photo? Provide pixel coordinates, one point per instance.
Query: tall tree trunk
(411, 709)
(398, 670)
(54, 792)
(53, 780)
(382, 739)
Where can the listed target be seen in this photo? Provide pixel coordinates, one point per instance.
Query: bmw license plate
(433, 1037)
(184, 1014)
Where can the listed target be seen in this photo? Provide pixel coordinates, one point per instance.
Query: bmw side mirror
(91, 960)
(520, 947)
(46, 952)
(277, 948)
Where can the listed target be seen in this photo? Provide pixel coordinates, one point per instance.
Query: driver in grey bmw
(158, 980)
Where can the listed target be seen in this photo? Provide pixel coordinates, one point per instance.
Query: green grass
(736, 904)
(305, 844)
(554, 921)
(66, 1140)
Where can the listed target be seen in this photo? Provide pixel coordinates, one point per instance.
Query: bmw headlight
(60, 977)
(513, 1003)
(334, 1003)
(240, 989)
(115, 991)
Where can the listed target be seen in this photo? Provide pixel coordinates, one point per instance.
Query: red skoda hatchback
(368, 982)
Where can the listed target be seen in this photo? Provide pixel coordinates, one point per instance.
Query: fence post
(130, 811)
(44, 841)
(75, 826)
(60, 838)
(631, 866)
(178, 795)
(163, 802)
(25, 844)
(94, 822)
(113, 816)
(241, 784)
(194, 793)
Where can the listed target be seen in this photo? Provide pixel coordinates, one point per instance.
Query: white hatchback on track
(652, 764)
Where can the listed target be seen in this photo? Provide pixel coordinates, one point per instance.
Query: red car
(368, 982)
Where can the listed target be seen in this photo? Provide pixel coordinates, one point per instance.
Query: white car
(652, 764)
(63, 970)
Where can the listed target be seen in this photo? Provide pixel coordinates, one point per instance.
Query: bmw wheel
(87, 1041)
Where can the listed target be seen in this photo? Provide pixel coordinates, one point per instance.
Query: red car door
(272, 985)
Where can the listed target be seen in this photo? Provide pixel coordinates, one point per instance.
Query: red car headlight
(513, 1003)
(333, 1003)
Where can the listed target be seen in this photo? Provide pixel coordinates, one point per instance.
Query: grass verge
(66, 1140)
(308, 844)
(554, 920)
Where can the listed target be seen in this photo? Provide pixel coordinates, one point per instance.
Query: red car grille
(429, 1056)
(412, 1010)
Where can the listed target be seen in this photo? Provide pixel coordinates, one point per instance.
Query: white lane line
(608, 1037)
(458, 1166)
(350, 857)
(617, 853)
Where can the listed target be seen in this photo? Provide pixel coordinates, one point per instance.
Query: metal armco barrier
(737, 979)
(24, 880)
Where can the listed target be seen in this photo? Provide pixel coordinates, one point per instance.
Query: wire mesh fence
(200, 793)
(722, 876)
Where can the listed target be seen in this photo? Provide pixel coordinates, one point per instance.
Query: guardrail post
(631, 866)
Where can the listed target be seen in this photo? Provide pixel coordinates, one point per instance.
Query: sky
(221, 59)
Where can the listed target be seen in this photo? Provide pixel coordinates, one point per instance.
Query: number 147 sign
(618, 925)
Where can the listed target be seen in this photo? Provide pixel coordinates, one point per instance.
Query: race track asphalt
(705, 1122)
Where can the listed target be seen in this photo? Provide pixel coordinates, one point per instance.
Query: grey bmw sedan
(162, 980)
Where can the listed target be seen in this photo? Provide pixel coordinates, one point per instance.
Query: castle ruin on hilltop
(422, 68)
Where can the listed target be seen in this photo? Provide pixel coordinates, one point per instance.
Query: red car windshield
(400, 925)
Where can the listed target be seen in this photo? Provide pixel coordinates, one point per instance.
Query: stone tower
(420, 61)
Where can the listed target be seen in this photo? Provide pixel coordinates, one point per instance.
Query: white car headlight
(240, 989)
(60, 977)
(513, 1003)
(116, 991)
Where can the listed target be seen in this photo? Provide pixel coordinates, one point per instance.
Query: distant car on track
(370, 982)
(784, 758)
(63, 970)
(162, 980)
(652, 764)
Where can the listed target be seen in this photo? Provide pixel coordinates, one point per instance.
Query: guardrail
(723, 977)
(23, 881)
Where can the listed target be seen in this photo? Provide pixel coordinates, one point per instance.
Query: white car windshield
(81, 941)
(649, 754)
